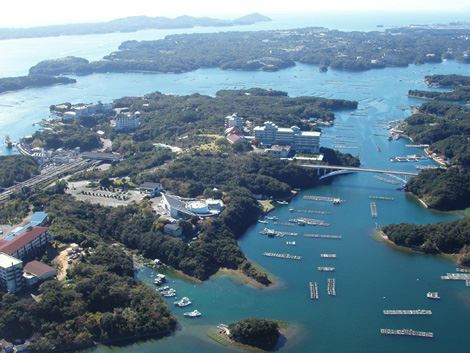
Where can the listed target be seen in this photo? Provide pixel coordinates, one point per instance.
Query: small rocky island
(259, 333)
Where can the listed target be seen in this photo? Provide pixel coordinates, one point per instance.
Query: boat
(262, 221)
(169, 293)
(163, 289)
(194, 313)
(272, 218)
(183, 302)
(159, 279)
(282, 202)
(8, 142)
(433, 295)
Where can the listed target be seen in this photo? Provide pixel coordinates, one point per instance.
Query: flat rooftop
(7, 260)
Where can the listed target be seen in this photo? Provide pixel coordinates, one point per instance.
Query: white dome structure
(198, 207)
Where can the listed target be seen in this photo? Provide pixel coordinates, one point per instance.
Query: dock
(407, 312)
(313, 287)
(456, 276)
(463, 270)
(328, 256)
(310, 211)
(467, 282)
(285, 256)
(322, 236)
(418, 146)
(406, 332)
(331, 289)
(309, 221)
(276, 233)
(384, 198)
(334, 200)
(326, 269)
(373, 209)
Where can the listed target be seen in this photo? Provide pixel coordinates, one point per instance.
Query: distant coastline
(128, 24)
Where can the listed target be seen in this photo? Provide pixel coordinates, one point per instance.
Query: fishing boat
(183, 302)
(194, 313)
(433, 295)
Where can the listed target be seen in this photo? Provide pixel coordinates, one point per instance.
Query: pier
(313, 287)
(463, 270)
(408, 312)
(406, 332)
(456, 276)
(310, 211)
(326, 269)
(418, 146)
(276, 233)
(373, 209)
(322, 236)
(282, 256)
(328, 256)
(309, 221)
(331, 289)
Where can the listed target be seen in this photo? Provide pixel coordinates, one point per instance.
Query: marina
(313, 287)
(407, 312)
(331, 286)
(373, 209)
(282, 256)
(406, 332)
(326, 269)
(322, 236)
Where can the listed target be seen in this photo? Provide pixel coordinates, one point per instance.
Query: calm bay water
(371, 276)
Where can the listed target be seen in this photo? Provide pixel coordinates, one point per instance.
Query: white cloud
(40, 12)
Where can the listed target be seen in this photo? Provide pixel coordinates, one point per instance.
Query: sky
(19, 13)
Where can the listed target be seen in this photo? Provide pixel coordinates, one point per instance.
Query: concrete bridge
(336, 170)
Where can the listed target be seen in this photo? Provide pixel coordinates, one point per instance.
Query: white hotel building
(301, 141)
(11, 273)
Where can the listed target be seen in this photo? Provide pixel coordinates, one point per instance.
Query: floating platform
(331, 288)
(384, 198)
(463, 270)
(456, 276)
(408, 312)
(323, 236)
(326, 269)
(334, 200)
(276, 233)
(310, 211)
(313, 288)
(373, 209)
(406, 332)
(309, 221)
(328, 256)
(285, 256)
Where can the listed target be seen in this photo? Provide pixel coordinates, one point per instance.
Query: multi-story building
(301, 141)
(127, 121)
(11, 273)
(234, 121)
(26, 244)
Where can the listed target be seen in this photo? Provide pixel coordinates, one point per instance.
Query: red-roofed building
(233, 138)
(36, 271)
(26, 244)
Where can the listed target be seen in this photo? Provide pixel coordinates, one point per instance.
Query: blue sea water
(370, 275)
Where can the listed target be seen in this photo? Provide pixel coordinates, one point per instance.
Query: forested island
(127, 24)
(273, 50)
(459, 85)
(17, 83)
(260, 333)
(101, 303)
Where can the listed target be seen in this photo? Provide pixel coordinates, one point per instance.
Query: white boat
(183, 302)
(433, 295)
(159, 279)
(272, 218)
(163, 289)
(194, 313)
(282, 202)
(169, 293)
(262, 221)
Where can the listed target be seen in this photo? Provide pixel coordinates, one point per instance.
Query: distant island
(128, 24)
(459, 85)
(272, 51)
(17, 83)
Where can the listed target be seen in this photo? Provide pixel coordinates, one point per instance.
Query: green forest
(101, 303)
(15, 169)
(258, 333)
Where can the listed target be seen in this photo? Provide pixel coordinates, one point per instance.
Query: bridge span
(358, 169)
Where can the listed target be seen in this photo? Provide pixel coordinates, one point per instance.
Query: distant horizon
(56, 12)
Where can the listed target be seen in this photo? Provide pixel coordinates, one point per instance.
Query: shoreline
(239, 277)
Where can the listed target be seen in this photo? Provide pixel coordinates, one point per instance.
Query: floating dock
(373, 209)
(384, 198)
(309, 221)
(282, 255)
(313, 287)
(335, 200)
(309, 211)
(456, 276)
(467, 282)
(326, 269)
(276, 233)
(328, 256)
(406, 332)
(322, 236)
(418, 146)
(331, 289)
(463, 270)
(410, 158)
(408, 312)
